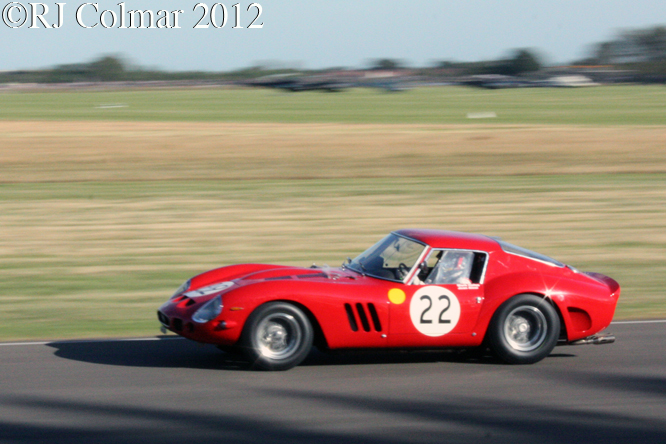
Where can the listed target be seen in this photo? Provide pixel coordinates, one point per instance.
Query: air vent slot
(278, 278)
(177, 324)
(184, 301)
(364, 318)
(351, 317)
(580, 319)
(375, 318)
(311, 275)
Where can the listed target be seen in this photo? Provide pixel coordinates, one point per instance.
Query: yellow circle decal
(397, 296)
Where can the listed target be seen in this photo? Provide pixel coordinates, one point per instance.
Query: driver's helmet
(454, 261)
(452, 267)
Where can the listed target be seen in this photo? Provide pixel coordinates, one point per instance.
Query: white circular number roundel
(435, 311)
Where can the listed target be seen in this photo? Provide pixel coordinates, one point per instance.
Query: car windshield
(391, 258)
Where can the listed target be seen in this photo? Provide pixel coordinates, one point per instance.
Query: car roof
(451, 239)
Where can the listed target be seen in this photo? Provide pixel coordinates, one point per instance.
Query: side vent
(363, 317)
(351, 317)
(375, 317)
(580, 319)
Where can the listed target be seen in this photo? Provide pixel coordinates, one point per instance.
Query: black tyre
(524, 329)
(277, 336)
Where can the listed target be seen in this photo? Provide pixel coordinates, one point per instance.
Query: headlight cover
(209, 311)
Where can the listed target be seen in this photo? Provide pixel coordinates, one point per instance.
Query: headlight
(209, 311)
(182, 288)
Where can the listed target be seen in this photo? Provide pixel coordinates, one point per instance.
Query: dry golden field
(42, 151)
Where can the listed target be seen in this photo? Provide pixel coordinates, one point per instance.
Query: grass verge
(607, 105)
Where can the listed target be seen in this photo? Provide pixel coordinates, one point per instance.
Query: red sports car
(413, 289)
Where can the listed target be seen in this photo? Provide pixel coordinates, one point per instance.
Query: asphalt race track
(171, 390)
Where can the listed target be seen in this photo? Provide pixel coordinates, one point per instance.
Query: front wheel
(277, 336)
(524, 329)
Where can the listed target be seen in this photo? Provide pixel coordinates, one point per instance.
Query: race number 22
(435, 311)
(444, 310)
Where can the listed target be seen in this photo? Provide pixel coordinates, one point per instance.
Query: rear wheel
(277, 336)
(524, 329)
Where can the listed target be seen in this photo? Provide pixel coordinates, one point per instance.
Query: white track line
(171, 338)
(88, 341)
(654, 321)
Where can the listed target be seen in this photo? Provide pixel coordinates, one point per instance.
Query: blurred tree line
(641, 52)
(521, 62)
(113, 68)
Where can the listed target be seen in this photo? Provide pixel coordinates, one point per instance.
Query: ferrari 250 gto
(414, 289)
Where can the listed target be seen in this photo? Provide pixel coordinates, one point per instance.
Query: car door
(441, 306)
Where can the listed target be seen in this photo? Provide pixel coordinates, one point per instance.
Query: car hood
(285, 273)
(252, 273)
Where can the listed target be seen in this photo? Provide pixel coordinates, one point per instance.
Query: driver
(453, 267)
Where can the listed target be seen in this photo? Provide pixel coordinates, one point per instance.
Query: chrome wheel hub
(278, 336)
(525, 328)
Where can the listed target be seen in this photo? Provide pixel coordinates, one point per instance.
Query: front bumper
(218, 331)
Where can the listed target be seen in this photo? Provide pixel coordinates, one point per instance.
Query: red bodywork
(350, 310)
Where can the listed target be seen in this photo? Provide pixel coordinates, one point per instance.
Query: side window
(453, 267)
(478, 267)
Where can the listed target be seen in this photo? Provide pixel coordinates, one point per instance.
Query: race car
(414, 289)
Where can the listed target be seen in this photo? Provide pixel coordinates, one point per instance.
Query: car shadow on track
(169, 352)
(166, 352)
